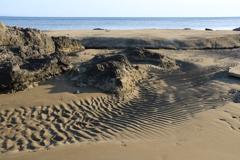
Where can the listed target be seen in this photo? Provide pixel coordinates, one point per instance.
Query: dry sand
(142, 33)
(186, 113)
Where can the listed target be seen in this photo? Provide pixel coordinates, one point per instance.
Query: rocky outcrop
(67, 45)
(141, 54)
(112, 74)
(225, 42)
(21, 71)
(28, 56)
(17, 36)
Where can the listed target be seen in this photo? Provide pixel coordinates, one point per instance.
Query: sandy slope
(184, 113)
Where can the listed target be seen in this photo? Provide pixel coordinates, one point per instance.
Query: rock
(19, 71)
(223, 42)
(235, 71)
(98, 29)
(236, 98)
(28, 57)
(236, 29)
(208, 29)
(141, 54)
(65, 44)
(112, 74)
(17, 36)
(25, 52)
(187, 29)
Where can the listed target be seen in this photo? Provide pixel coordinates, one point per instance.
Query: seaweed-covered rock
(112, 74)
(21, 71)
(141, 54)
(65, 44)
(17, 36)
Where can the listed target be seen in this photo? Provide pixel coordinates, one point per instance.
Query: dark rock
(236, 29)
(112, 74)
(187, 29)
(24, 51)
(19, 71)
(141, 54)
(236, 98)
(17, 36)
(98, 29)
(208, 29)
(65, 44)
(27, 57)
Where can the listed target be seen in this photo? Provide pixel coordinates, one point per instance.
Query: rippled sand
(184, 113)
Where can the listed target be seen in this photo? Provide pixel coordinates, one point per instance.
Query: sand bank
(153, 38)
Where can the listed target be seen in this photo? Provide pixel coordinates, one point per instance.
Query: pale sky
(120, 8)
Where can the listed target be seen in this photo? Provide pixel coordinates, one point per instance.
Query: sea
(122, 23)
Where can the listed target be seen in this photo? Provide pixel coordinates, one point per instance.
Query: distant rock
(65, 44)
(187, 29)
(236, 29)
(141, 54)
(98, 29)
(113, 74)
(208, 29)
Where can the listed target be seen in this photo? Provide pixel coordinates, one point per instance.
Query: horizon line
(123, 17)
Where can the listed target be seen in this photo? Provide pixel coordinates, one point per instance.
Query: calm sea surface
(68, 23)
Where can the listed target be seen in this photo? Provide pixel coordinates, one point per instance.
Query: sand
(142, 33)
(184, 113)
(153, 38)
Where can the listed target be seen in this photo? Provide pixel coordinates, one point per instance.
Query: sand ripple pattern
(167, 99)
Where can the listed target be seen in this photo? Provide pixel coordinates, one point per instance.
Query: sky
(120, 8)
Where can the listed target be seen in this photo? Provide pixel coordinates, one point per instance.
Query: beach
(186, 112)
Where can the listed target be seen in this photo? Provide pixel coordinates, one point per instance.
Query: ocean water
(70, 23)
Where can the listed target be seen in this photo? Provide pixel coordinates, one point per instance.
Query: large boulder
(20, 71)
(141, 54)
(17, 36)
(65, 44)
(113, 74)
